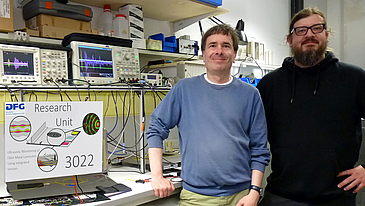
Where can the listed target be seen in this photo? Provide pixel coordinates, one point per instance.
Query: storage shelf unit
(163, 10)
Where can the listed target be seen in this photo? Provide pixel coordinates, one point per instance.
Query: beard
(309, 57)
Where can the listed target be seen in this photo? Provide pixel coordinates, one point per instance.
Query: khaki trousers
(188, 198)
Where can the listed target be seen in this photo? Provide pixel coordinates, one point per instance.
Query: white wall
(321, 4)
(265, 21)
(335, 23)
(353, 32)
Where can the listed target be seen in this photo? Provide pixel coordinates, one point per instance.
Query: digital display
(18, 63)
(95, 62)
(151, 77)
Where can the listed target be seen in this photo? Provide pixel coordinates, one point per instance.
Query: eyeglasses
(302, 30)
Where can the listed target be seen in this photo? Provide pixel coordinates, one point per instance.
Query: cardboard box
(55, 21)
(138, 43)
(57, 32)
(30, 32)
(134, 15)
(6, 16)
(154, 44)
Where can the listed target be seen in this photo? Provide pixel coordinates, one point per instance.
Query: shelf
(252, 64)
(16, 88)
(161, 54)
(163, 10)
(142, 52)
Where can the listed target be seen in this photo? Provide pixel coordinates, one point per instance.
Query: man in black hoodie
(314, 105)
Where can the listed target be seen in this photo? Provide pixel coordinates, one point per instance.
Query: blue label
(15, 106)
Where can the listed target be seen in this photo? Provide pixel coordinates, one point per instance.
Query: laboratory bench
(141, 193)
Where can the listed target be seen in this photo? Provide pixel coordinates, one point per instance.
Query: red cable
(76, 190)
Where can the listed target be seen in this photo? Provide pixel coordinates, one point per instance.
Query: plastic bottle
(105, 22)
(120, 26)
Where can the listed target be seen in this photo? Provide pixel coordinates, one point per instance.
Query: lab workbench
(141, 193)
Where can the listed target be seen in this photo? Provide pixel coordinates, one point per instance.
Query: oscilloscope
(19, 64)
(102, 64)
(53, 66)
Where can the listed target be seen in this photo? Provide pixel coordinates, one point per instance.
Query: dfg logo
(14, 106)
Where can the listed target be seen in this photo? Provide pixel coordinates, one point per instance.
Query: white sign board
(52, 139)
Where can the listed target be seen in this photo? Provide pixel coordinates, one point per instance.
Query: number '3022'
(79, 161)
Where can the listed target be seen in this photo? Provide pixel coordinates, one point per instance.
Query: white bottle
(120, 26)
(105, 22)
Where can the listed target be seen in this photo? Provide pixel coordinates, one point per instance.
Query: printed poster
(52, 139)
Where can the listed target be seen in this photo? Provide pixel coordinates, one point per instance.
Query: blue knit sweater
(222, 131)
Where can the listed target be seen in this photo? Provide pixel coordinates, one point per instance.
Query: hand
(249, 200)
(162, 187)
(356, 178)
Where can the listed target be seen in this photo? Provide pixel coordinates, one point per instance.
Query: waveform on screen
(95, 63)
(16, 64)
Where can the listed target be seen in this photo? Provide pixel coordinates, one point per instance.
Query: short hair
(221, 29)
(306, 12)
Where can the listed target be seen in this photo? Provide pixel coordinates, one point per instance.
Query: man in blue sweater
(222, 130)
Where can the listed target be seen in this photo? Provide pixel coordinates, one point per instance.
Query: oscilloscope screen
(95, 62)
(18, 63)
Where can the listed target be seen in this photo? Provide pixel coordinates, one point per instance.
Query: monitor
(92, 63)
(103, 64)
(19, 64)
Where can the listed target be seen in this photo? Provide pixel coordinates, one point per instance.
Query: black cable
(88, 92)
(113, 139)
(95, 95)
(239, 69)
(107, 108)
(30, 96)
(78, 92)
(162, 93)
(12, 94)
(116, 111)
(82, 192)
(153, 93)
(210, 18)
(68, 96)
(201, 28)
(124, 106)
(218, 19)
(159, 95)
(144, 67)
(125, 147)
(135, 131)
(262, 71)
(190, 58)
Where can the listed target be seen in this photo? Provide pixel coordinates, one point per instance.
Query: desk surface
(141, 193)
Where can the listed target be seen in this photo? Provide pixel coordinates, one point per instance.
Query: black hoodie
(314, 127)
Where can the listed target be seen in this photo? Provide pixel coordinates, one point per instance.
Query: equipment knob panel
(54, 67)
